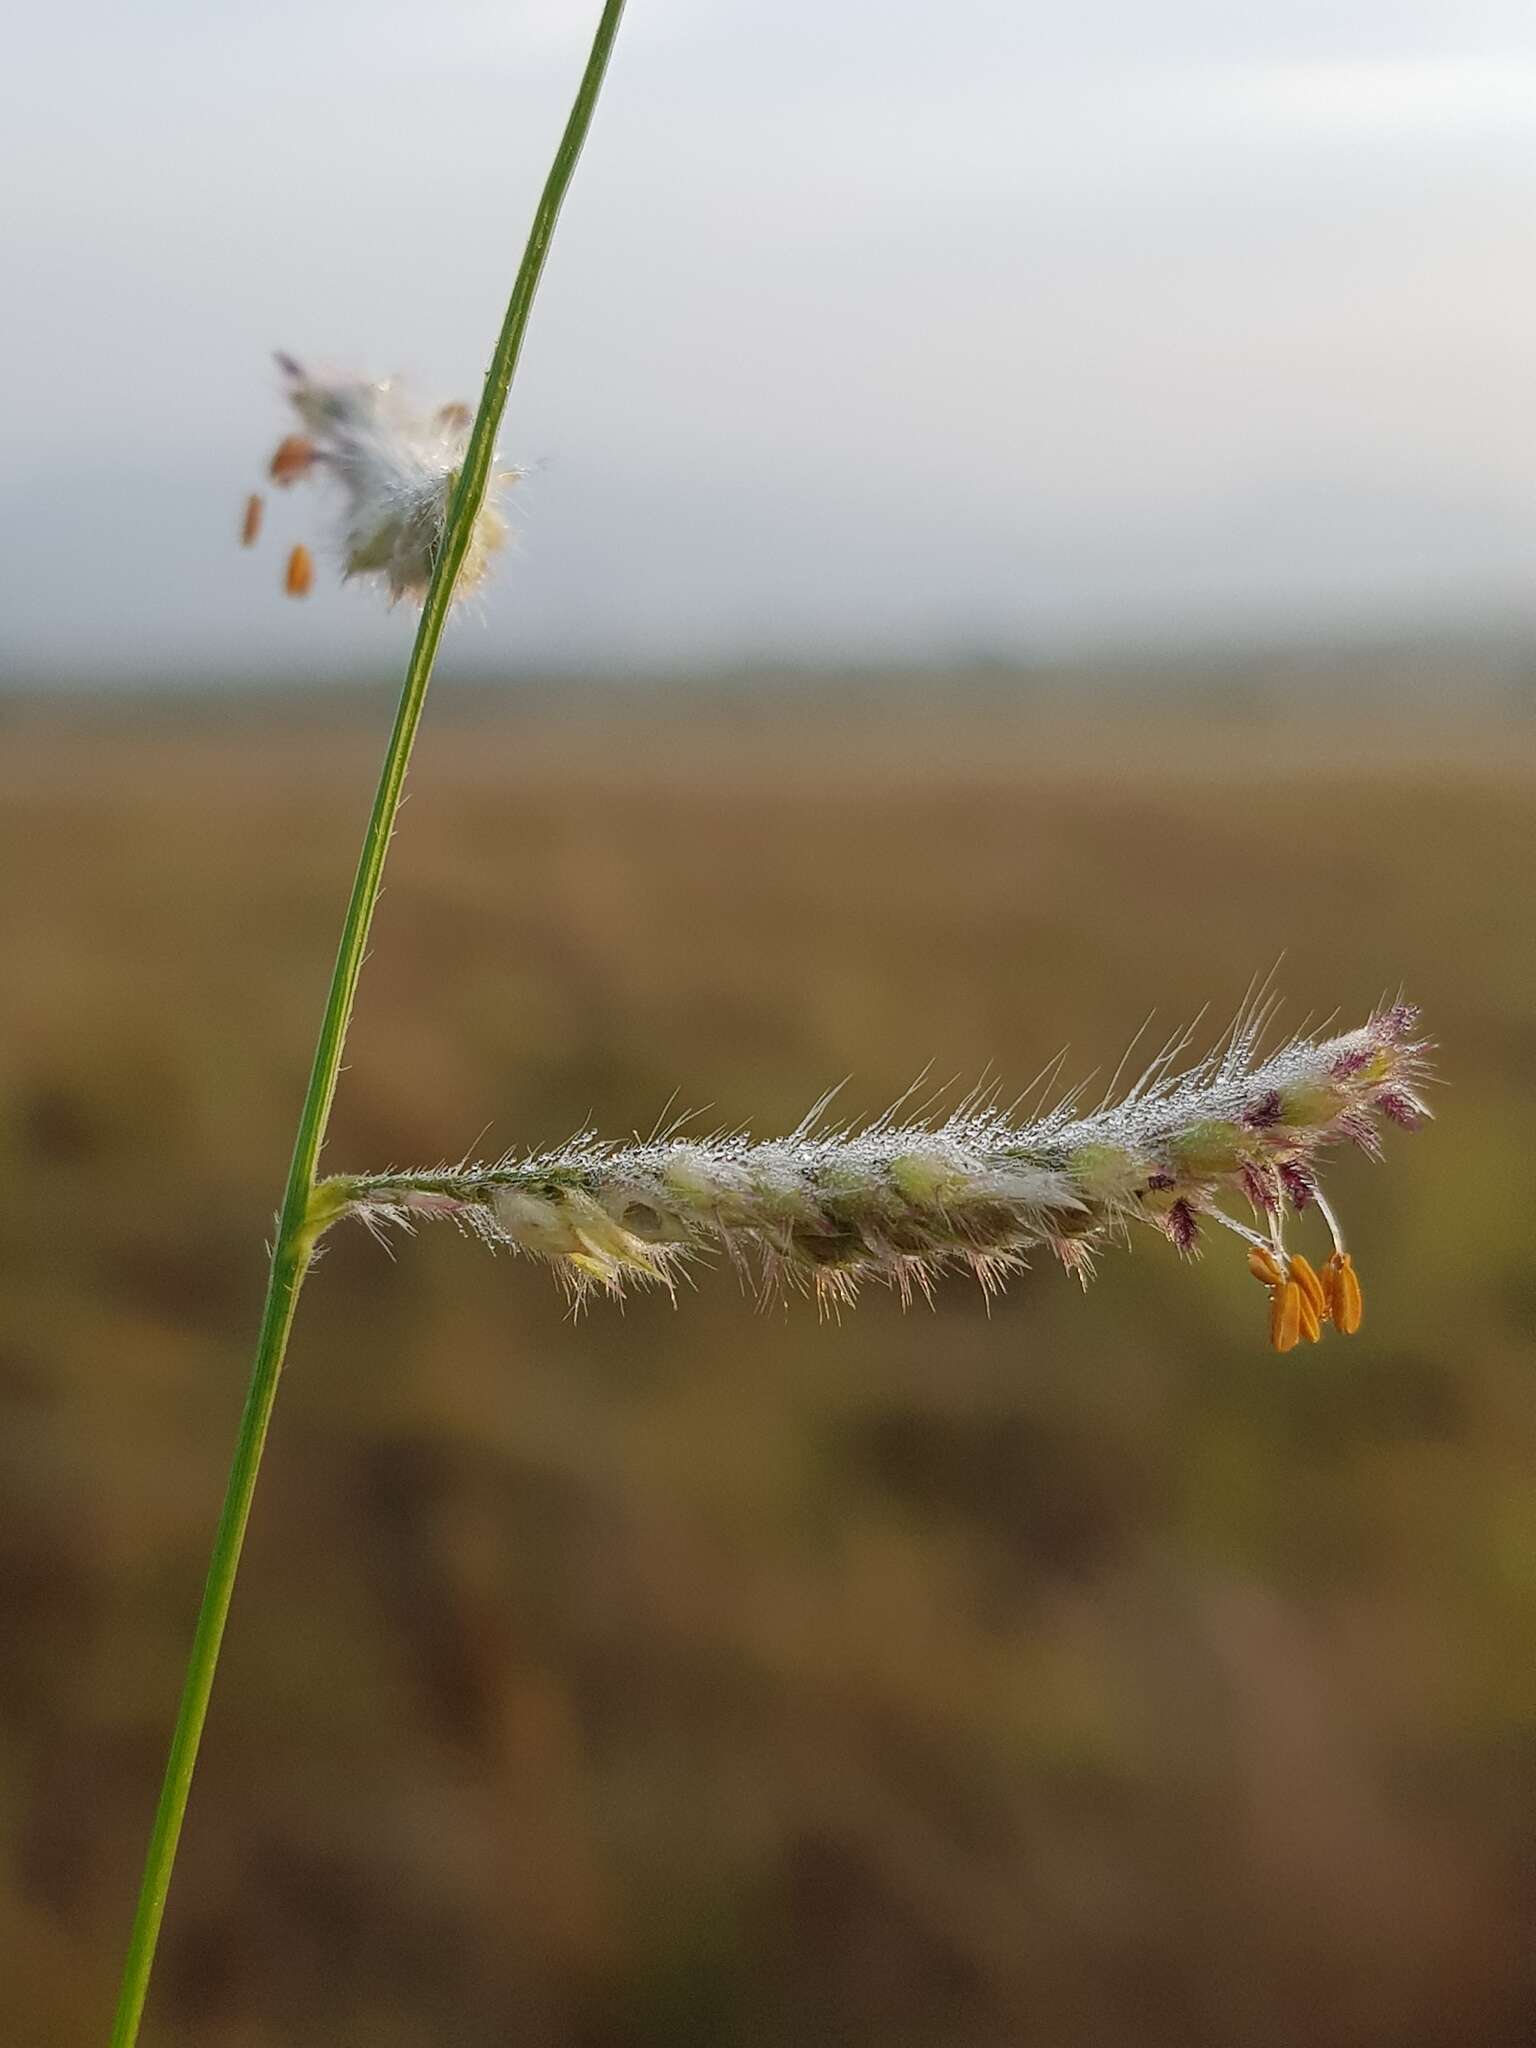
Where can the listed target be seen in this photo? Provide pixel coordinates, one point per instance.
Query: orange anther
(1285, 1317)
(250, 525)
(301, 572)
(1343, 1284)
(1308, 1321)
(293, 457)
(1263, 1265)
(1305, 1275)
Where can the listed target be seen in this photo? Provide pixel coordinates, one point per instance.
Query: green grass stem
(306, 1211)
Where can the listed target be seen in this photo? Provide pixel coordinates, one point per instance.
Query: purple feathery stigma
(1260, 1186)
(1398, 1024)
(1159, 1183)
(1182, 1225)
(1297, 1183)
(1355, 1125)
(1350, 1063)
(1266, 1112)
(1402, 1109)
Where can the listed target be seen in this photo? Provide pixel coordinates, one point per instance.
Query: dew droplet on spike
(300, 578)
(250, 526)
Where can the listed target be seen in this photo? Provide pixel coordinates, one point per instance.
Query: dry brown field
(1065, 1671)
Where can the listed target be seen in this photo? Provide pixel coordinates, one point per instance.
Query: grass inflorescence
(901, 1202)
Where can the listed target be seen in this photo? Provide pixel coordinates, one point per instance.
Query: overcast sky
(871, 329)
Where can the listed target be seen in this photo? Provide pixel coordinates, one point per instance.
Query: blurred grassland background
(1058, 1672)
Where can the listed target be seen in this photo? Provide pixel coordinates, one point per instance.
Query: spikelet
(902, 1203)
(396, 470)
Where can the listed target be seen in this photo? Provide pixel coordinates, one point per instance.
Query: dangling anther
(293, 457)
(1306, 1278)
(1263, 1265)
(1343, 1286)
(1308, 1321)
(1285, 1316)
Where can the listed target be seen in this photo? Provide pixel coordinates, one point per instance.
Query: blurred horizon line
(1493, 657)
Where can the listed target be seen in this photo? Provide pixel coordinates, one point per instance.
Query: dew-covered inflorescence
(902, 1202)
(395, 468)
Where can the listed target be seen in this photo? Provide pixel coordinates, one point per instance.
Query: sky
(873, 331)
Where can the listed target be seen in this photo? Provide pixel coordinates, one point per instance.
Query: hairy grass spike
(902, 1203)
